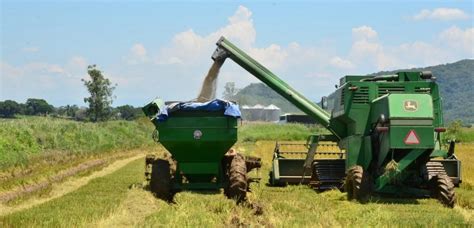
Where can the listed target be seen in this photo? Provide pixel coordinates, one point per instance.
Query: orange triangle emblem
(411, 138)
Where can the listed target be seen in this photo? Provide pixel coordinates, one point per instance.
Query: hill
(455, 80)
(259, 93)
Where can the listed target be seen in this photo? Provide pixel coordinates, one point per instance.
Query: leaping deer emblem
(410, 105)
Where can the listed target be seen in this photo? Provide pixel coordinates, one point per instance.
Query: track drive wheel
(443, 190)
(160, 183)
(356, 184)
(237, 188)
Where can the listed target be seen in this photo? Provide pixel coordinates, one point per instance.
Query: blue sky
(163, 49)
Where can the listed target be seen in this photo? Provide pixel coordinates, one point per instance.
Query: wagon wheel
(160, 183)
(357, 184)
(443, 190)
(237, 187)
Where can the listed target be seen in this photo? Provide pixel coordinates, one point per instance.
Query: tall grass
(27, 139)
(255, 131)
(466, 135)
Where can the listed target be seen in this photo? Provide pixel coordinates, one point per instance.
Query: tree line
(40, 107)
(100, 101)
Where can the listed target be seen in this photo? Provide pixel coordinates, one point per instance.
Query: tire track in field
(133, 211)
(47, 182)
(67, 187)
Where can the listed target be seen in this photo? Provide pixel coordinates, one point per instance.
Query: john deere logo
(410, 105)
(197, 134)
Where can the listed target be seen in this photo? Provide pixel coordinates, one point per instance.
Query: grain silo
(271, 113)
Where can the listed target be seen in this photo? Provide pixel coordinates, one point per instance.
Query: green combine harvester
(199, 137)
(388, 129)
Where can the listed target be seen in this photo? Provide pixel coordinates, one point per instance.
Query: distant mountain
(259, 93)
(456, 82)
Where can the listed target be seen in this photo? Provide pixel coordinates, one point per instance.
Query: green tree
(230, 91)
(129, 112)
(101, 98)
(454, 131)
(68, 110)
(9, 108)
(38, 107)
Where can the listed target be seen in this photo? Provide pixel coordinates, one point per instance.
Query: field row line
(70, 185)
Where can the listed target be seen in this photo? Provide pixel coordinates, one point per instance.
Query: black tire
(237, 188)
(443, 190)
(160, 183)
(356, 184)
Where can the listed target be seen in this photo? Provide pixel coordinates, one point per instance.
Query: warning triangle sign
(411, 138)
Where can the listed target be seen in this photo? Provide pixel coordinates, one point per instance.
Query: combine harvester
(388, 129)
(199, 137)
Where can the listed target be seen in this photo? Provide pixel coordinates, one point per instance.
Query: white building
(260, 113)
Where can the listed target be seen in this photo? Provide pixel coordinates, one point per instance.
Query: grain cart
(389, 128)
(199, 137)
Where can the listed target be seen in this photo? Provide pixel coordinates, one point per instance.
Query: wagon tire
(238, 185)
(160, 182)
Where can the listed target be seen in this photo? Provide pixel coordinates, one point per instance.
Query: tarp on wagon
(161, 112)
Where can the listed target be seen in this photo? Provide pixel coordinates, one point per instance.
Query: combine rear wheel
(356, 184)
(160, 183)
(443, 190)
(237, 188)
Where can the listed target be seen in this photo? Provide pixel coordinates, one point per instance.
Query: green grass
(466, 135)
(36, 139)
(89, 203)
(108, 201)
(252, 132)
(108, 198)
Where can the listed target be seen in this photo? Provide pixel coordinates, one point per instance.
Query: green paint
(406, 102)
(197, 140)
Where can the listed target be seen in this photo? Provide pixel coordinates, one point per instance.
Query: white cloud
(30, 49)
(441, 14)
(273, 56)
(366, 49)
(138, 50)
(78, 62)
(364, 33)
(370, 54)
(188, 47)
(43, 68)
(52, 82)
(138, 54)
(460, 39)
(341, 63)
